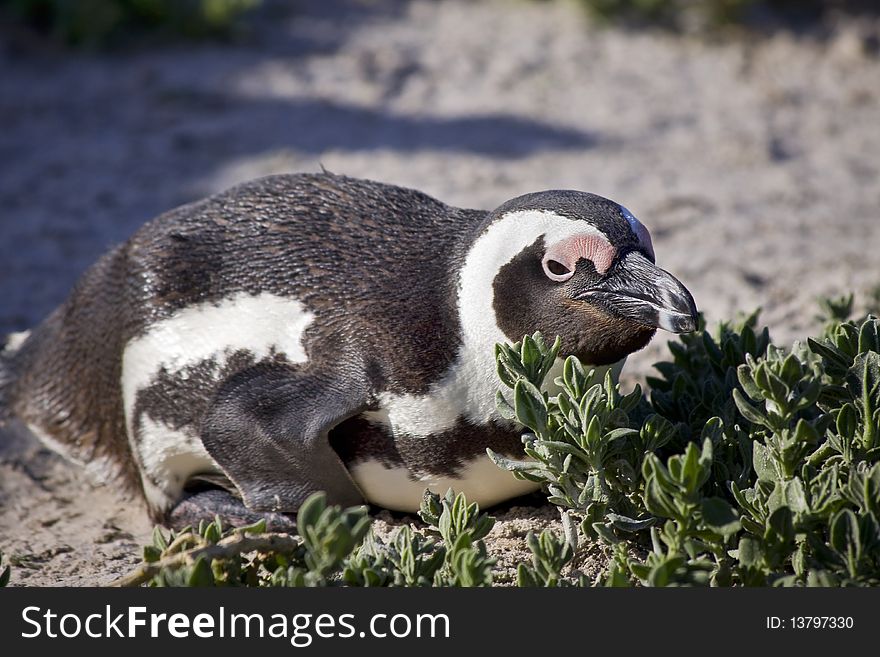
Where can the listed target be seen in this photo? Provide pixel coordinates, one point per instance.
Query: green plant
(668, 13)
(453, 554)
(248, 556)
(329, 535)
(100, 22)
(550, 554)
(749, 465)
(407, 559)
(335, 546)
(462, 528)
(688, 15)
(585, 442)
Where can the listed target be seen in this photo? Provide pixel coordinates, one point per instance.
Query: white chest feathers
(263, 325)
(465, 393)
(400, 489)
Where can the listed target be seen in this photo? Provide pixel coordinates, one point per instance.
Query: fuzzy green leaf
(845, 537)
(151, 553)
(311, 510)
(525, 577)
(720, 516)
(869, 336)
(630, 524)
(847, 422)
(530, 406)
(762, 461)
(749, 412)
(744, 376)
(781, 524)
(513, 465)
(201, 574)
(504, 408)
(159, 539)
(749, 552)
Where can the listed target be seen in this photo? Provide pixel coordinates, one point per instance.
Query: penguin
(315, 332)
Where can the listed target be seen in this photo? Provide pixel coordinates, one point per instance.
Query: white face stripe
(468, 388)
(497, 246)
(260, 324)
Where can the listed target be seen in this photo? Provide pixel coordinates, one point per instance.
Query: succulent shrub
(748, 464)
(334, 547)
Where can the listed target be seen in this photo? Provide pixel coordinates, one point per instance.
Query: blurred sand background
(754, 161)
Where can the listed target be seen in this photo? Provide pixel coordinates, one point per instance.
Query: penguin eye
(556, 271)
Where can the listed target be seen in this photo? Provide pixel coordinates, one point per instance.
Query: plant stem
(225, 549)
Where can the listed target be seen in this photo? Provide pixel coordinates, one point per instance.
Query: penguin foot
(206, 504)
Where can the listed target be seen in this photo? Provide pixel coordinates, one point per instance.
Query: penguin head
(579, 266)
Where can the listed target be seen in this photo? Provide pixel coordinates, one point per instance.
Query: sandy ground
(756, 165)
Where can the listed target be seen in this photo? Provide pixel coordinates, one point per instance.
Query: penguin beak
(639, 290)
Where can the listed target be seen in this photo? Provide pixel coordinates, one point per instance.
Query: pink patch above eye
(568, 251)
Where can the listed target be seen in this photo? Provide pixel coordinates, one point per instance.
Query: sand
(755, 163)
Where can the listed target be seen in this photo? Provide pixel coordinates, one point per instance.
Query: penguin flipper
(267, 429)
